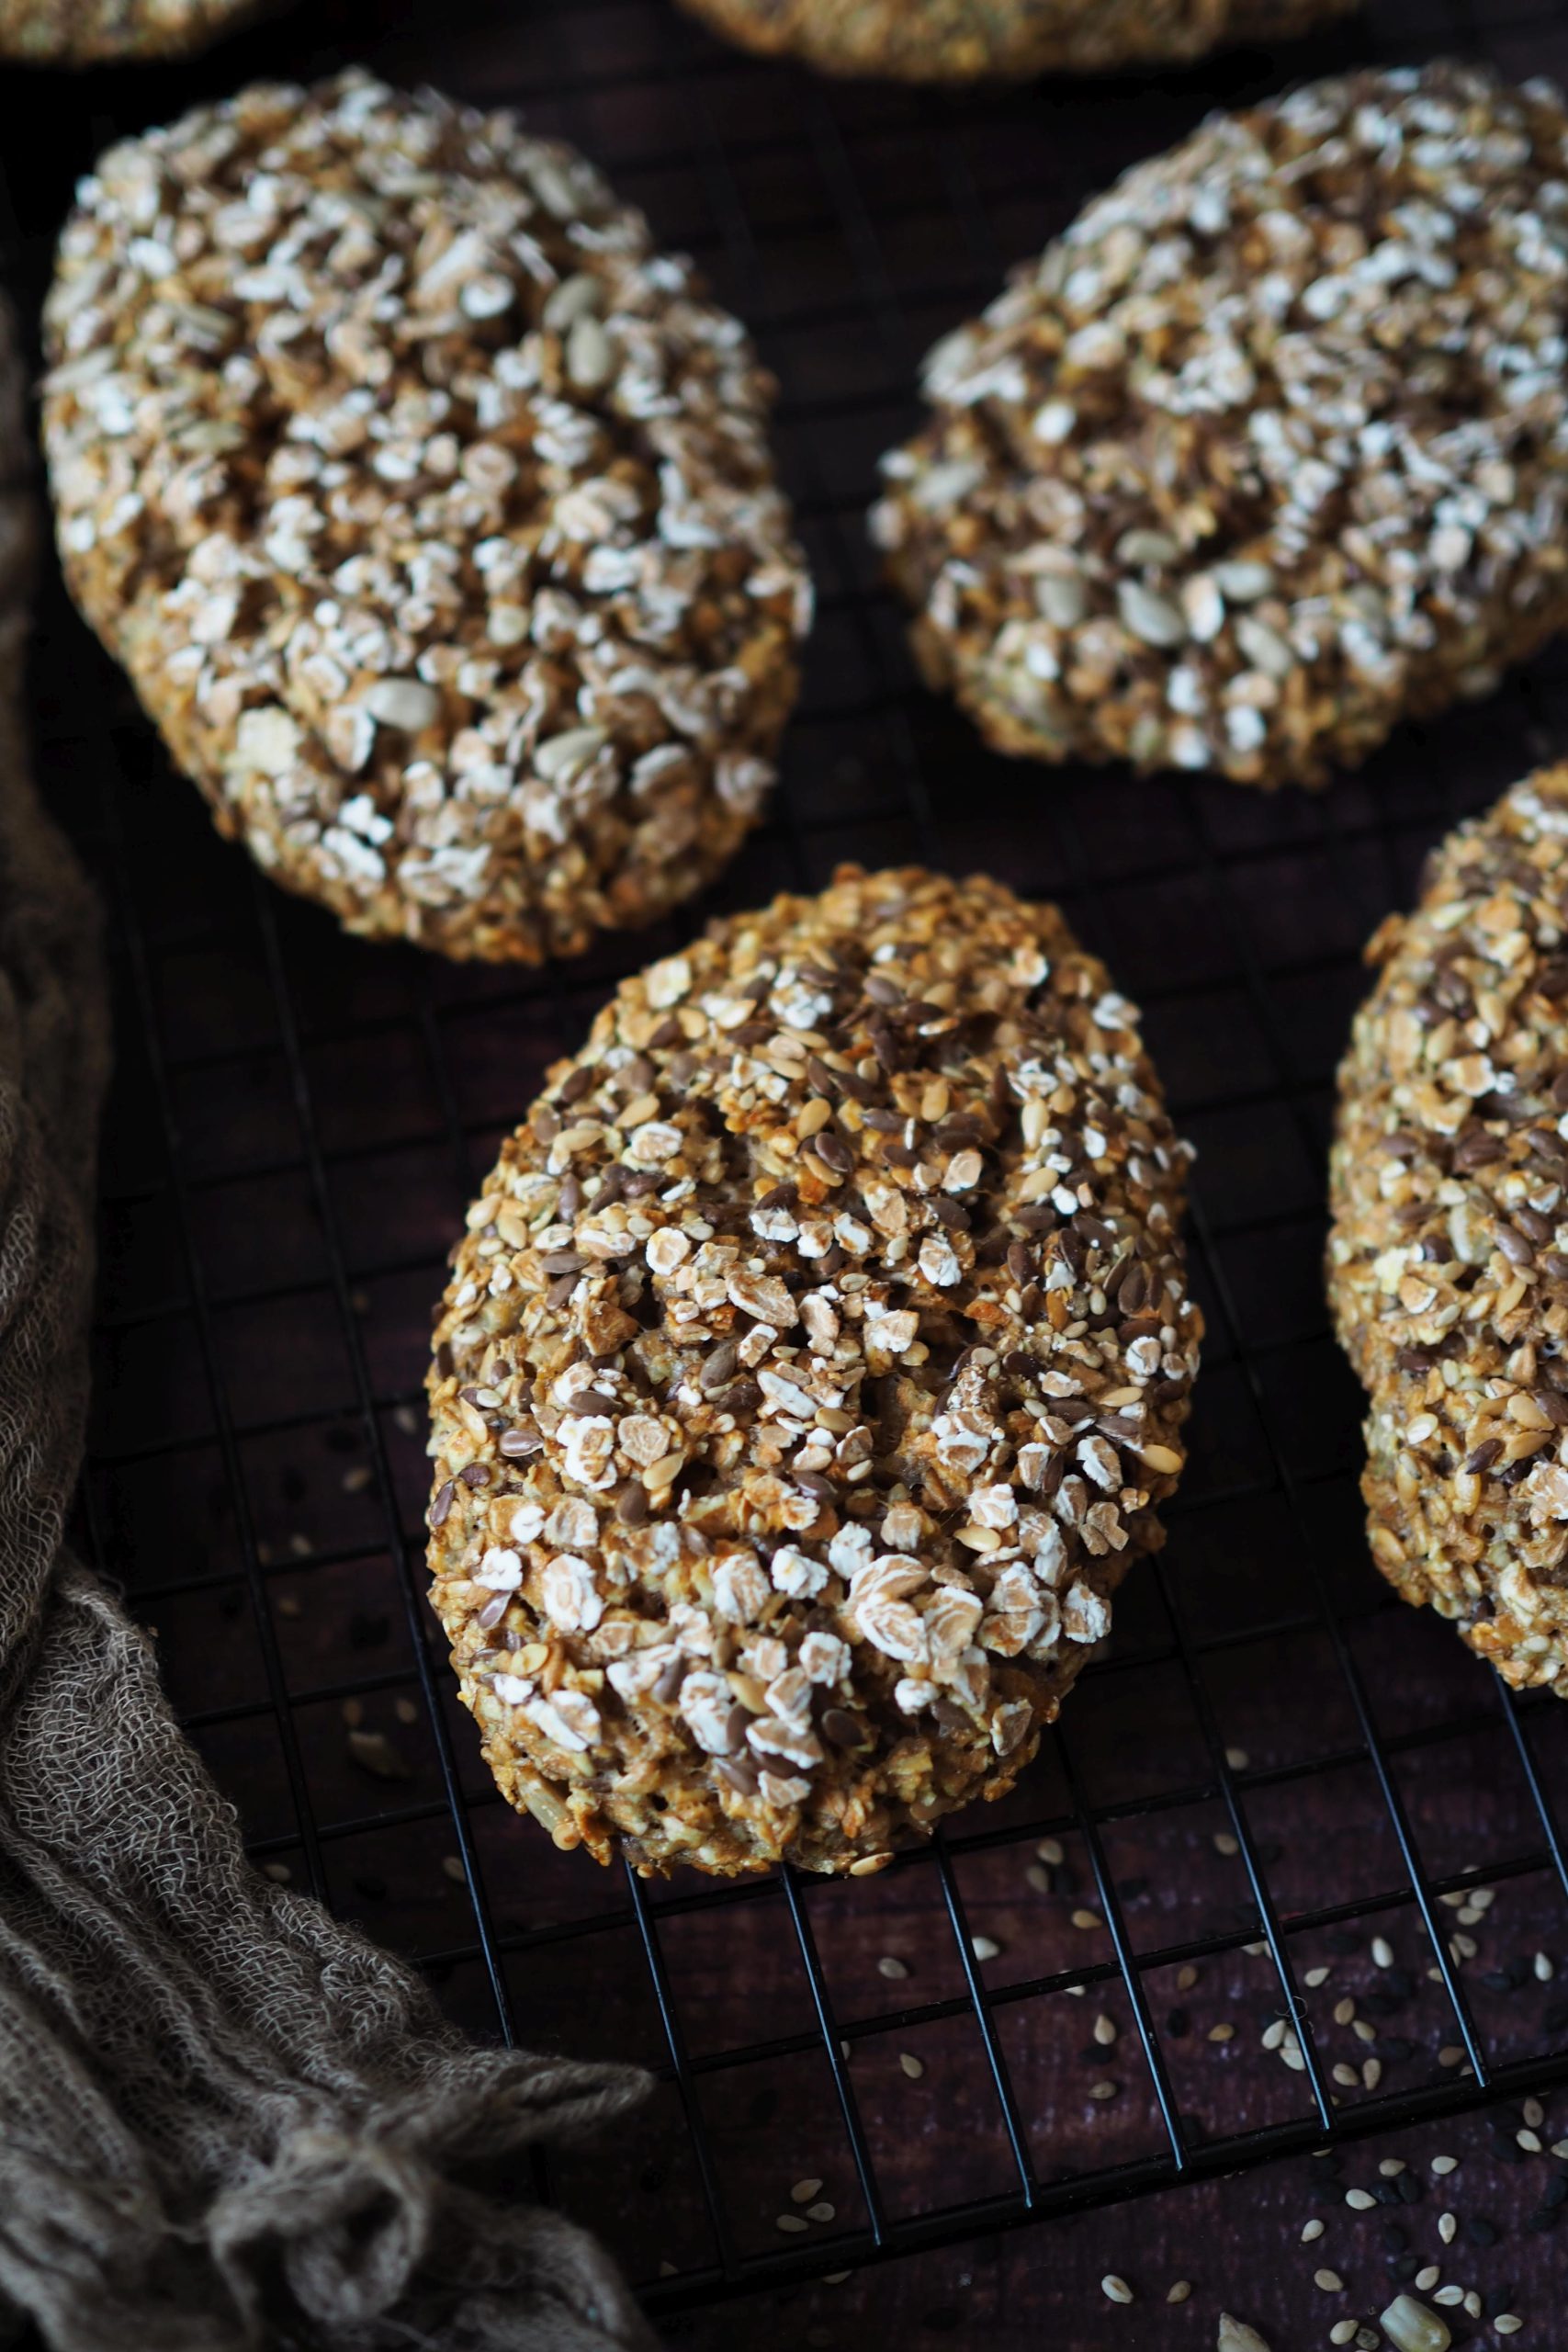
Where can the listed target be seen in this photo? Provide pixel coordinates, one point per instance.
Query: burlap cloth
(225, 2121)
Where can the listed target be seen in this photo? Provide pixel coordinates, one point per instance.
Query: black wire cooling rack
(1290, 1869)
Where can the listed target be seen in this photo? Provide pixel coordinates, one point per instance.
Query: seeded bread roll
(962, 41)
(430, 509)
(1448, 1263)
(1270, 450)
(114, 32)
(809, 1374)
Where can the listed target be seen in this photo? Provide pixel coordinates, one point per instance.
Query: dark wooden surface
(296, 1122)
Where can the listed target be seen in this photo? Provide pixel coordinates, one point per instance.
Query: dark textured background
(296, 1122)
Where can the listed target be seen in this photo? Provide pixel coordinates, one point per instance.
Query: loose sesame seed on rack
(1317, 1976)
(1179, 2290)
(1328, 2281)
(891, 1968)
(914, 2067)
(985, 1947)
(1311, 2231)
(1115, 2289)
(804, 2192)
(1428, 2276)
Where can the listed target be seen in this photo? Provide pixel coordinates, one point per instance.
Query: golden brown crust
(810, 1371)
(430, 509)
(1270, 450)
(1448, 1256)
(965, 41)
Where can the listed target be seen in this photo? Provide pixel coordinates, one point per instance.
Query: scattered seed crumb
(1544, 1969)
(836, 2277)
(357, 1477)
(1234, 2335)
(985, 1948)
(374, 1754)
(1038, 1878)
(1411, 2328)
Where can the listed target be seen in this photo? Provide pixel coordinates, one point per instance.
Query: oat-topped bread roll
(114, 32)
(1448, 1258)
(963, 41)
(1270, 450)
(430, 509)
(811, 1371)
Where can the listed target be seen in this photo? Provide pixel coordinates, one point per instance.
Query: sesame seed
(1115, 2289)
(1450, 2297)
(1185, 1977)
(1359, 2200)
(1050, 1850)
(1179, 2290)
(804, 2192)
(1317, 1976)
(1342, 2332)
(1447, 2228)
(1104, 2089)
(821, 2211)
(985, 1948)
(1221, 2032)
(913, 2067)
(1530, 2141)
(1391, 2167)
(1383, 1952)
(1086, 1919)
(1104, 2030)
(891, 1968)
(1450, 2055)
(1226, 1844)
(1311, 2231)
(1443, 2165)
(1428, 2276)
(789, 2222)
(1507, 2323)
(1534, 2113)
(1329, 2282)
(1237, 1758)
